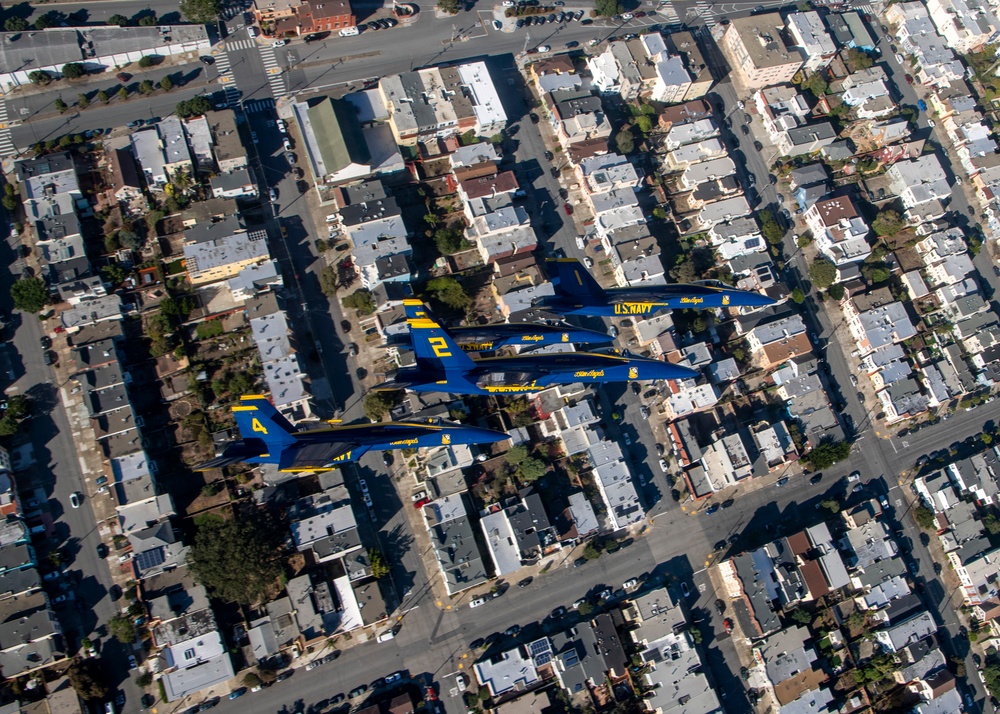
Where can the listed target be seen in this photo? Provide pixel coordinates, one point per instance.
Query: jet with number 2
(577, 293)
(269, 438)
(442, 366)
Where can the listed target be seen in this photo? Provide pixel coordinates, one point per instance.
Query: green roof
(338, 134)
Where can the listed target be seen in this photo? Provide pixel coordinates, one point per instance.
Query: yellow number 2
(257, 426)
(439, 346)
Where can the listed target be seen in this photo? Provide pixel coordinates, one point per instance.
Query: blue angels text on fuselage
(269, 438)
(577, 293)
(443, 367)
(490, 338)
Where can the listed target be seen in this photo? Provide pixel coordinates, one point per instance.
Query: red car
(421, 503)
(727, 625)
(568, 208)
(909, 79)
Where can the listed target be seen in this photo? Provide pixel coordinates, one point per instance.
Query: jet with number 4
(269, 438)
(577, 293)
(490, 338)
(442, 366)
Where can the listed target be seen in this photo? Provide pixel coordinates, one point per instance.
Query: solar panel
(542, 659)
(539, 647)
(149, 559)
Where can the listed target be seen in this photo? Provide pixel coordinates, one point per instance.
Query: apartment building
(759, 54)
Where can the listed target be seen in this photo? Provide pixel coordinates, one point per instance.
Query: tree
(82, 101)
(250, 679)
(8, 425)
(773, 232)
(586, 608)
(925, 518)
(146, 87)
(659, 213)
(121, 627)
(516, 455)
(73, 70)
(452, 7)
(816, 84)
(887, 223)
(532, 469)
(991, 674)
(992, 524)
(449, 291)
(150, 20)
(644, 122)
(450, 241)
(44, 22)
(123, 93)
(831, 504)
(193, 107)
(119, 20)
(591, 551)
(859, 59)
(238, 560)
(801, 616)
(827, 454)
(380, 569)
(18, 406)
(822, 272)
(87, 678)
(16, 24)
(40, 77)
(166, 84)
(9, 202)
(146, 61)
(29, 294)
(103, 97)
(361, 300)
(625, 141)
(798, 297)
(609, 8)
(60, 105)
(200, 11)
(378, 404)
(875, 272)
(836, 291)
(328, 281)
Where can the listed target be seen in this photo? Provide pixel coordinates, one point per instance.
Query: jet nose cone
(751, 299)
(488, 436)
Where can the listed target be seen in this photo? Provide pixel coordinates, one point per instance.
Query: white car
(392, 678)
(544, 48)
(74, 500)
(253, 31)
(629, 584)
(287, 144)
(477, 602)
(313, 665)
(580, 243)
(281, 126)
(627, 16)
(279, 43)
(497, 25)
(588, 261)
(663, 466)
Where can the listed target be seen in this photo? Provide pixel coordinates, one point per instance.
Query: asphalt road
(54, 476)
(98, 11)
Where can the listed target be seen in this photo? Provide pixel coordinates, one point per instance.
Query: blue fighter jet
(269, 438)
(490, 338)
(442, 366)
(577, 293)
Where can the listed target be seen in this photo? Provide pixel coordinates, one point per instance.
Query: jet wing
(507, 378)
(319, 454)
(235, 451)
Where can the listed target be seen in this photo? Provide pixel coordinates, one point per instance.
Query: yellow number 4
(257, 426)
(439, 346)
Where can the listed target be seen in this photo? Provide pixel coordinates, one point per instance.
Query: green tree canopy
(146, 61)
(875, 272)
(925, 518)
(772, 231)
(516, 455)
(822, 272)
(193, 107)
(44, 22)
(149, 20)
(146, 87)
(625, 141)
(887, 223)
(815, 84)
(361, 300)
(644, 122)
(87, 678)
(609, 8)
(16, 24)
(532, 469)
(73, 70)
(827, 454)
(238, 560)
(40, 76)
(798, 297)
(121, 627)
(836, 291)
(60, 105)
(103, 97)
(166, 84)
(380, 568)
(449, 291)
(29, 294)
(328, 281)
(118, 19)
(450, 241)
(200, 11)
(859, 59)
(452, 7)
(378, 404)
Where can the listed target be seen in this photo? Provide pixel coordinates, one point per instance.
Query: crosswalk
(865, 8)
(226, 79)
(705, 12)
(6, 143)
(668, 12)
(252, 106)
(275, 77)
(244, 44)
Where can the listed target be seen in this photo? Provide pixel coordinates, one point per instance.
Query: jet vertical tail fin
(572, 280)
(259, 421)
(435, 349)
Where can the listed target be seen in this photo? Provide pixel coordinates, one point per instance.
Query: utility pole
(453, 34)
(527, 39)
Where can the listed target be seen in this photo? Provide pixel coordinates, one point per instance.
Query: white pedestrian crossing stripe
(6, 143)
(225, 70)
(275, 77)
(232, 45)
(258, 105)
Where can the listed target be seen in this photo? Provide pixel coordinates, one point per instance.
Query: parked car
(74, 500)
(46, 342)
(477, 602)
(630, 583)
(727, 625)
(237, 693)
(685, 589)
